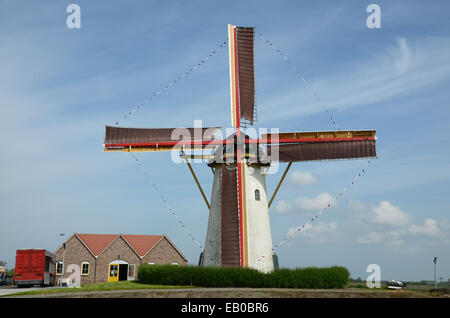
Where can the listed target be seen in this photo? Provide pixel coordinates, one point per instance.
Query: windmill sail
(305, 146)
(242, 75)
(246, 74)
(157, 139)
(324, 151)
(230, 241)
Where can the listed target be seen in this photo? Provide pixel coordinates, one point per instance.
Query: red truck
(34, 267)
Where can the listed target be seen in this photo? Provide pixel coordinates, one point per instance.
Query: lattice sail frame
(242, 74)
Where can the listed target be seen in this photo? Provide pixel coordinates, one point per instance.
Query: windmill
(238, 232)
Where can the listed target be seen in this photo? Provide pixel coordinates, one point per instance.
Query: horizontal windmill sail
(157, 139)
(323, 151)
(328, 145)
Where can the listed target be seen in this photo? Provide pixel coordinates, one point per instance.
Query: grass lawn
(124, 285)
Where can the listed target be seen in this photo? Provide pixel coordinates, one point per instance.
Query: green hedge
(203, 276)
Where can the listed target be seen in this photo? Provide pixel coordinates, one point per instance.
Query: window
(85, 268)
(59, 268)
(131, 270)
(47, 263)
(113, 270)
(257, 195)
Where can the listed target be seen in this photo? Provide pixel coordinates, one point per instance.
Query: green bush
(203, 276)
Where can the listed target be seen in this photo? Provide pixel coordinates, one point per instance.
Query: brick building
(113, 257)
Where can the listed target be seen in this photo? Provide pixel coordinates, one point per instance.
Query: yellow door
(113, 273)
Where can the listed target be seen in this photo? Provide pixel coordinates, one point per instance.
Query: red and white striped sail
(242, 75)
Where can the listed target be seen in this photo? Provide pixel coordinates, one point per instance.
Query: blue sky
(60, 86)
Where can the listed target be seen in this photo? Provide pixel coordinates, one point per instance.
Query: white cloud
(358, 206)
(399, 230)
(408, 237)
(320, 232)
(315, 204)
(387, 214)
(429, 228)
(395, 243)
(301, 204)
(403, 61)
(284, 207)
(372, 237)
(389, 239)
(300, 178)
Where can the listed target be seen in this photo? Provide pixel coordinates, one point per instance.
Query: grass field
(123, 285)
(133, 289)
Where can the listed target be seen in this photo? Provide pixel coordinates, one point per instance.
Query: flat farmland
(235, 293)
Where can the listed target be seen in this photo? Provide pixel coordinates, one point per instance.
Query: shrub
(203, 276)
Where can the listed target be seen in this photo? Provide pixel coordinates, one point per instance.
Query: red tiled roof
(142, 243)
(98, 242)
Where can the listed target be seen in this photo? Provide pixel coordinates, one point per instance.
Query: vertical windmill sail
(242, 75)
(242, 92)
(230, 254)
